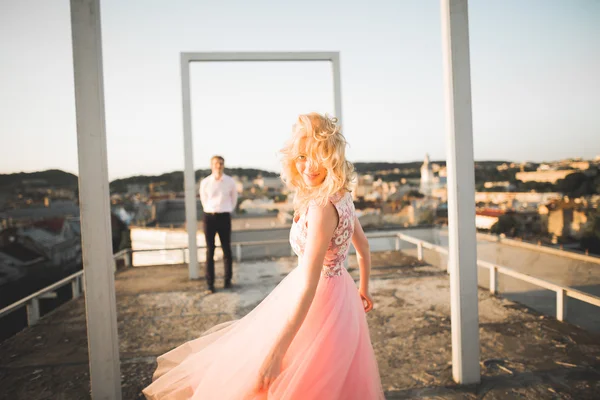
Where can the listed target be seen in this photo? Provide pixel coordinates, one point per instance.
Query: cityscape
(553, 204)
(473, 131)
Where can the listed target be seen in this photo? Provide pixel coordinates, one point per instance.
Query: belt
(217, 213)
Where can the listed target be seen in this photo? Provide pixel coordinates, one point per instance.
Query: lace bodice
(339, 245)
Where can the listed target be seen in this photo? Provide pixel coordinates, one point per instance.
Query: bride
(308, 339)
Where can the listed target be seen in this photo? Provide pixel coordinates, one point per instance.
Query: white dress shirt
(218, 196)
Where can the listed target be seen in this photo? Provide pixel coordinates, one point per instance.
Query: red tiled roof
(491, 212)
(53, 225)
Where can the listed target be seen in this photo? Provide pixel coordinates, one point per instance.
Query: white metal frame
(93, 178)
(189, 175)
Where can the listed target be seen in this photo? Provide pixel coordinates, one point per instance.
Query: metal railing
(562, 292)
(32, 302)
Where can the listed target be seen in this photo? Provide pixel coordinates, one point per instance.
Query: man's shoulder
(228, 178)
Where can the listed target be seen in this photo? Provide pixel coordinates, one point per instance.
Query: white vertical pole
(461, 193)
(189, 175)
(100, 303)
(420, 251)
(75, 291)
(128, 257)
(238, 252)
(337, 86)
(561, 304)
(33, 312)
(493, 279)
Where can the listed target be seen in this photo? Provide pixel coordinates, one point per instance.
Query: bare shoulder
(325, 217)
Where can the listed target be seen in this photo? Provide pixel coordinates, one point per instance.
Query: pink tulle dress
(331, 356)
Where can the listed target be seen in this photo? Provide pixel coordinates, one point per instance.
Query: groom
(218, 194)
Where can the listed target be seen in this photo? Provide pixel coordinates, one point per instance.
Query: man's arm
(203, 197)
(234, 195)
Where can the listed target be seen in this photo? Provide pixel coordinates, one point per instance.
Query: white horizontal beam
(260, 56)
(189, 175)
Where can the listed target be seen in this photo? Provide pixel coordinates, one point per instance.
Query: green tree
(280, 197)
(591, 237)
(507, 224)
(576, 185)
(427, 217)
(414, 193)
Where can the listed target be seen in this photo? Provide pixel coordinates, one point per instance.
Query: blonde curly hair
(319, 138)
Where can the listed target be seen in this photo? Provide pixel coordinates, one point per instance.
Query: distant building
(381, 191)
(56, 248)
(171, 213)
(14, 254)
(242, 184)
(440, 193)
(514, 199)
(62, 193)
(565, 218)
(55, 241)
(269, 183)
(14, 257)
(370, 218)
(142, 213)
(430, 183)
(363, 186)
(580, 165)
(505, 185)
(28, 215)
(550, 176)
(137, 188)
(427, 178)
(257, 206)
(35, 186)
(485, 219)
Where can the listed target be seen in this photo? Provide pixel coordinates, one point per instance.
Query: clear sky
(535, 79)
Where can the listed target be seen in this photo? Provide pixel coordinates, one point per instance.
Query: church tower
(427, 178)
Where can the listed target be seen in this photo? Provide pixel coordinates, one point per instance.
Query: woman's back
(339, 245)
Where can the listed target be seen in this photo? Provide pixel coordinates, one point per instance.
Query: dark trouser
(217, 223)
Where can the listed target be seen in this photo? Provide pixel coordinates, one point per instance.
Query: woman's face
(313, 174)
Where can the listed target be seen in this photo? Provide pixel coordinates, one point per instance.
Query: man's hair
(217, 158)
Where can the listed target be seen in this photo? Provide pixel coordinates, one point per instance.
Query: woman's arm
(322, 221)
(363, 255)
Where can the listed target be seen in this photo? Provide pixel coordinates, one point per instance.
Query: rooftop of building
(523, 354)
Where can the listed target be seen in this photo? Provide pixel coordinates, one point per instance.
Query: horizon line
(276, 172)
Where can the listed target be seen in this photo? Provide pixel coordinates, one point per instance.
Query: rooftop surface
(523, 353)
